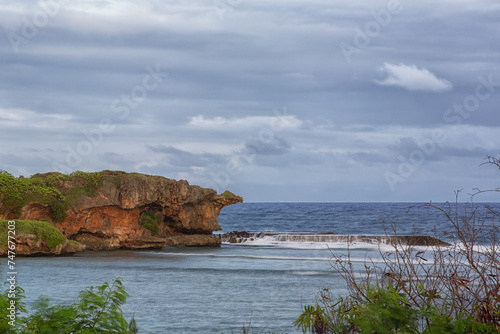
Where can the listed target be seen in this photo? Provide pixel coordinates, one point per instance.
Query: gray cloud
(181, 158)
(225, 78)
(274, 146)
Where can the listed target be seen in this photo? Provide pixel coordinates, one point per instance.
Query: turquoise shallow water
(198, 290)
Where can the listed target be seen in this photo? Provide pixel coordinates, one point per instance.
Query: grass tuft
(43, 230)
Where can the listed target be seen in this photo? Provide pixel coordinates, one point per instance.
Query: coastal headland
(109, 210)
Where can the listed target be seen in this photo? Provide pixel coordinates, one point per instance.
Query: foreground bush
(96, 310)
(442, 289)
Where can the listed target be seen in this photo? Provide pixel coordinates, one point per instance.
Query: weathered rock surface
(411, 240)
(109, 217)
(28, 245)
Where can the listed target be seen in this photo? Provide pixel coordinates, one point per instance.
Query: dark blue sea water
(264, 282)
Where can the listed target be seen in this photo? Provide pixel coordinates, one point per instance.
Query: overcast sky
(281, 100)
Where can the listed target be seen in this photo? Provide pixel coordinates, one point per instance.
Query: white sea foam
(372, 243)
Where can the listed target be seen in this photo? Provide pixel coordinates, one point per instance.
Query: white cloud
(281, 122)
(22, 118)
(412, 78)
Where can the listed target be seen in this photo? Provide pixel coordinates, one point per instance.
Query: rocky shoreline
(31, 245)
(111, 210)
(238, 237)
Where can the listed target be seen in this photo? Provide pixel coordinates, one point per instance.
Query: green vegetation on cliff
(227, 194)
(15, 193)
(59, 191)
(150, 220)
(43, 230)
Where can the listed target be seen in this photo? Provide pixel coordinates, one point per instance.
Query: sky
(285, 101)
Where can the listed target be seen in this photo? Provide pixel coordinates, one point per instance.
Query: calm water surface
(198, 290)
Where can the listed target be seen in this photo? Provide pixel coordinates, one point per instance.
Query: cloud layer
(256, 96)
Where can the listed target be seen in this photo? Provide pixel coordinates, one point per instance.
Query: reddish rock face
(109, 219)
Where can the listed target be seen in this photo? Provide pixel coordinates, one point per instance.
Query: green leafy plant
(150, 220)
(96, 310)
(386, 311)
(453, 289)
(313, 318)
(8, 322)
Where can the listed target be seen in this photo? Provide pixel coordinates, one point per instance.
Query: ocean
(263, 282)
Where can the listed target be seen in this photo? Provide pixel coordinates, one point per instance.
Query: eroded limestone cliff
(112, 210)
(34, 238)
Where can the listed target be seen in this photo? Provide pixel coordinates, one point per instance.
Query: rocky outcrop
(238, 237)
(31, 245)
(113, 210)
